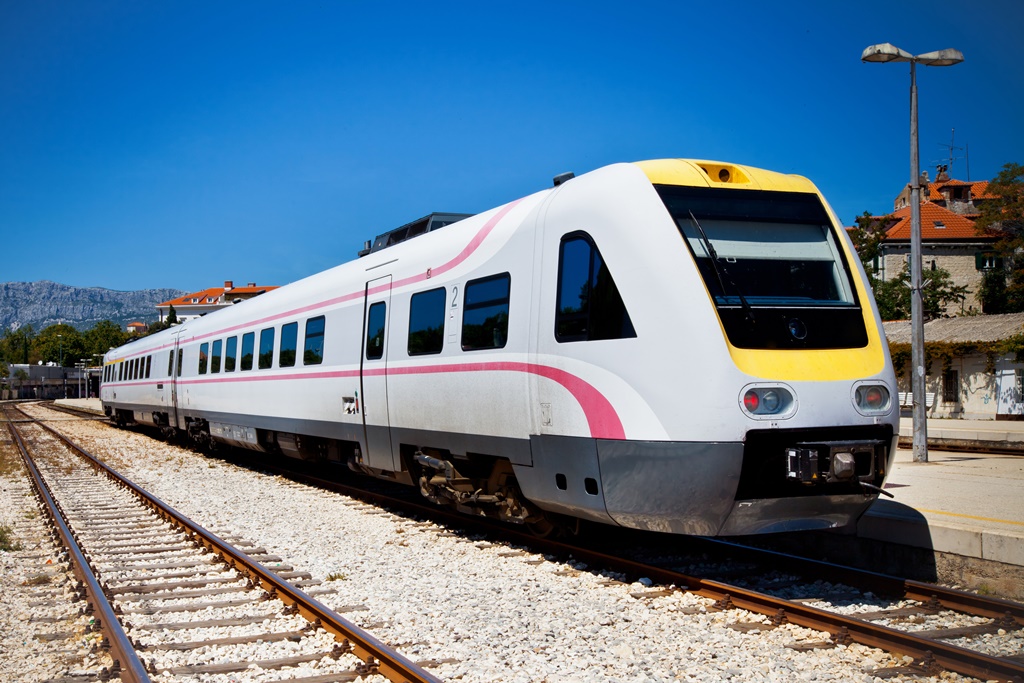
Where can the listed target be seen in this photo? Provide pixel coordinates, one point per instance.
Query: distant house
(196, 304)
(949, 239)
(979, 383)
(137, 328)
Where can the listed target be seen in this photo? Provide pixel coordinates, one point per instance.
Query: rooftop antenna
(951, 147)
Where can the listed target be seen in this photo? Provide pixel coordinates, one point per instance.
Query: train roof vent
(418, 227)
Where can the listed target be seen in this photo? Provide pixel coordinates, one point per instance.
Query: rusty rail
(377, 657)
(127, 664)
(930, 653)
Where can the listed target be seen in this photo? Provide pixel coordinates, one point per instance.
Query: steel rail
(886, 584)
(840, 627)
(127, 664)
(378, 657)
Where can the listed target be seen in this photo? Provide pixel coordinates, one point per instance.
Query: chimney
(251, 284)
(228, 284)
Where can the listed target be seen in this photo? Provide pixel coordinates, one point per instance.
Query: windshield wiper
(720, 269)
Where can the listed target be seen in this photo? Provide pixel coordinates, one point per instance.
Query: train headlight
(767, 401)
(872, 399)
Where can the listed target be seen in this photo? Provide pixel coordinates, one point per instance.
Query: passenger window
(215, 358)
(181, 357)
(248, 340)
(170, 363)
(289, 341)
(149, 365)
(204, 351)
(375, 322)
(485, 313)
(589, 306)
(313, 351)
(266, 348)
(426, 322)
(230, 350)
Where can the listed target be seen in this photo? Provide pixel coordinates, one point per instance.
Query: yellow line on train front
(980, 519)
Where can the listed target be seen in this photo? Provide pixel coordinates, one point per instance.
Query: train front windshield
(772, 264)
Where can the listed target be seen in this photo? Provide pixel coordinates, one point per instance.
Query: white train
(675, 345)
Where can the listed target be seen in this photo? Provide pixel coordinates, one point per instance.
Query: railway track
(905, 617)
(172, 598)
(760, 590)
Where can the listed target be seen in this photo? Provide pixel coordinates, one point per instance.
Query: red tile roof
(215, 293)
(979, 189)
(955, 226)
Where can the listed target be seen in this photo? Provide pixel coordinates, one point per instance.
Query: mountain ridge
(43, 303)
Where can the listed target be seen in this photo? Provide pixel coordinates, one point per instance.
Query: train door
(373, 374)
(175, 370)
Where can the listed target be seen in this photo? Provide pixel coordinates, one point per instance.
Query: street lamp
(887, 52)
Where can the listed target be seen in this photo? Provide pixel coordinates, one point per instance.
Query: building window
(247, 345)
(987, 261)
(289, 340)
(313, 351)
(215, 358)
(266, 348)
(589, 306)
(485, 313)
(204, 352)
(230, 351)
(951, 386)
(426, 322)
(375, 324)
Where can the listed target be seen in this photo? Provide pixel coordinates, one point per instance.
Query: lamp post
(887, 52)
(60, 363)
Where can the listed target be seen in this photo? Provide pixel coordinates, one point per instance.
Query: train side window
(120, 371)
(426, 322)
(589, 305)
(170, 362)
(135, 369)
(247, 345)
(485, 313)
(266, 348)
(375, 322)
(313, 351)
(204, 352)
(289, 342)
(230, 351)
(181, 357)
(215, 358)
(149, 365)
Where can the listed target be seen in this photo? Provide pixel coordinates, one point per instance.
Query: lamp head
(885, 52)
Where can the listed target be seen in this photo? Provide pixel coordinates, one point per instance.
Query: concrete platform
(968, 434)
(968, 504)
(91, 404)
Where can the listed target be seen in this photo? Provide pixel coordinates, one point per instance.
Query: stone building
(974, 386)
(949, 239)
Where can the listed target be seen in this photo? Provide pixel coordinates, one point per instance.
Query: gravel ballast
(487, 616)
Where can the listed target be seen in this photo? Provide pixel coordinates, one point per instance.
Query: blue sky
(182, 144)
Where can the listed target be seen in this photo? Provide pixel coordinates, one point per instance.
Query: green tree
(1002, 289)
(102, 336)
(60, 343)
(867, 236)
(16, 345)
(893, 296)
(172, 317)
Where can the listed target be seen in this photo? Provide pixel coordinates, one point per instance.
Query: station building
(978, 382)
